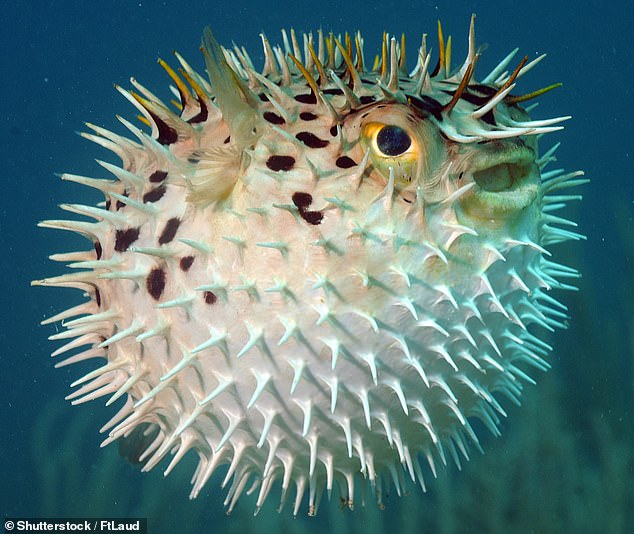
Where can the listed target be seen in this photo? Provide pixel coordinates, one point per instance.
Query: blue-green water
(566, 460)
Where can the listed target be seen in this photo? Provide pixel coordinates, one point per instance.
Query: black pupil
(393, 140)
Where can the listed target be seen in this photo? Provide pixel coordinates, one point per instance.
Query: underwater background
(565, 461)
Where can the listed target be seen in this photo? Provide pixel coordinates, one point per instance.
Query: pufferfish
(318, 276)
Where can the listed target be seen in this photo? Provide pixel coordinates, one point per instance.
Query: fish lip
(511, 170)
(503, 153)
(507, 180)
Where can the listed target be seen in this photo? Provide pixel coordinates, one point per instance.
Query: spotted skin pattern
(318, 275)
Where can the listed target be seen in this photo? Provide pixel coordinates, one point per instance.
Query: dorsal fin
(231, 96)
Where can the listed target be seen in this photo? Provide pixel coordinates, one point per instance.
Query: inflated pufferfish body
(319, 271)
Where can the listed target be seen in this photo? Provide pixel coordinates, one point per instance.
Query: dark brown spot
(273, 118)
(108, 204)
(307, 116)
(169, 231)
(344, 162)
(367, 99)
(311, 140)
(427, 105)
(309, 98)
(485, 89)
(154, 194)
(124, 238)
(472, 98)
(478, 100)
(166, 134)
(186, 262)
(333, 130)
(155, 283)
(302, 200)
(312, 217)
(120, 204)
(210, 297)
(158, 176)
(263, 97)
(333, 91)
(489, 118)
(200, 116)
(280, 163)
(97, 297)
(98, 249)
(227, 140)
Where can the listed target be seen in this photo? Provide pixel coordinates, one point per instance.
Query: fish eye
(393, 140)
(393, 149)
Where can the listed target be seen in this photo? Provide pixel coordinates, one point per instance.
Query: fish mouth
(507, 180)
